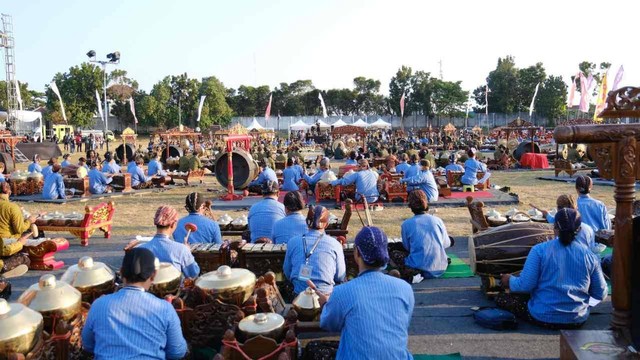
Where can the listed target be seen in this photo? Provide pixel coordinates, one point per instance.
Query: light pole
(114, 58)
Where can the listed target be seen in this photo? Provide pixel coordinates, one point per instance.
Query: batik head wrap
(372, 244)
(165, 216)
(318, 217)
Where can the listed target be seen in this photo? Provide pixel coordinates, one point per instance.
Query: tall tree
(422, 90)
(184, 98)
(368, 100)
(528, 78)
(121, 89)
(77, 88)
(448, 98)
(401, 84)
(31, 99)
(215, 109)
(551, 100)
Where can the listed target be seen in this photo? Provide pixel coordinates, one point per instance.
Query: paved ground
(442, 321)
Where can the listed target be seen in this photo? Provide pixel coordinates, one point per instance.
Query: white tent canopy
(339, 123)
(380, 124)
(323, 125)
(255, 125)
(299, 125)
(360, 123)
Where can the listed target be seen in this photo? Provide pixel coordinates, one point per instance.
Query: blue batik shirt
(111, 168)
(360, 311)
(267, 174)
(312, 180)
(138, 176)
(98, 181)
(327, 261)
(177, 254)
(291, 177)
(35, 167)
(263, 215)
(46, 171)
(402, 167)
(133, 324)
(471, 169)
(366, 184)
(424, 181)
(155, 168)
(53, 187)
(426, 238)
(292, 225)
(208, 230)
(560, 279)
(593, 212)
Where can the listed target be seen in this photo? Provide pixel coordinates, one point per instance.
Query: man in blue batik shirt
(167, 250)
(292, 225)
(266, 212)
(593, 211)
(366, 182)
(315, 256)
(424, 181)
(138, 179)
(155, 166)
(290, 177)
(132, 323)
(98, 181)
(109, 166)
(267, 174)
(313, 180)
(359, 309)
(53, 187)
(208, 230)
(425, 237)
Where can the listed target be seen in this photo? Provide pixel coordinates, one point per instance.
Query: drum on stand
(504, 249)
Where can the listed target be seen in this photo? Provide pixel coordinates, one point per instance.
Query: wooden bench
(561, 165)
(97, 217)
(122, 181)
(453, 179)
(192, 175)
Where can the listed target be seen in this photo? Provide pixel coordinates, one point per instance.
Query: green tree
(77, 88)
(528, 78)
(401, 84)
(368, 100)
(121, 89)
(448, 99)
(215, 109)
(551, 100)
(597, 71)
(184, 99)
(157, 111)
(340, 102)
(288, 98)
(31, 99)
(422, 90)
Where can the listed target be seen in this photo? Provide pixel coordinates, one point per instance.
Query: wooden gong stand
(616, 153)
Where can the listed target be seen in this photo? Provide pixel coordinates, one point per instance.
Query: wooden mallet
(190, 227)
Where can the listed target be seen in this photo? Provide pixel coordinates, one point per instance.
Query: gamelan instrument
(504, 249)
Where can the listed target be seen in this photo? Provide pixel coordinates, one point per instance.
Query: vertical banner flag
(200, 106)
(402, 106)
(486, 99)
(324, 108)
(602, 98)
(468, 106)
(267, 113)
(572, 91)
(584, 92)
(18, 94)
(99, 105)
(533, 100)
(133, 110)
(55, 90)
(618, 78)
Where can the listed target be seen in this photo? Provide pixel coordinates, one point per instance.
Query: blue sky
(329, 42)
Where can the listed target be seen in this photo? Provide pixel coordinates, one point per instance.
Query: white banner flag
(533, 100)
(18, 94)
(200, 106)
(618, 78)
(324, 108)
(99, 105)
(55, 90)
(133, 109)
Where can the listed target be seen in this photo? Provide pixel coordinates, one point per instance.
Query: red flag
(402, 105)
(267, 112)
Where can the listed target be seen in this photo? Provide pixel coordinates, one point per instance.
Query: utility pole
(440, 62)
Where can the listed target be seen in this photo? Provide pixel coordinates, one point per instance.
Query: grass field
(134, 214)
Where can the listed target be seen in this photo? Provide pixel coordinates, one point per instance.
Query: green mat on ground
(457, 269)
(437, 357)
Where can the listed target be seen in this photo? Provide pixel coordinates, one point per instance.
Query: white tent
(381, 124)
(339, 123)
(255, 125)
(360, 123)
(299, 125)
(323, 125)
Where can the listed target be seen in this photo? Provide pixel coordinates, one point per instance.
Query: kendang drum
(504, 249)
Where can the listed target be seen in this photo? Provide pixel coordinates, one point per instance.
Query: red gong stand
(241, 141)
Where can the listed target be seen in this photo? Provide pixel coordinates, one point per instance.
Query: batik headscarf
(318, 218)
(165, 216)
